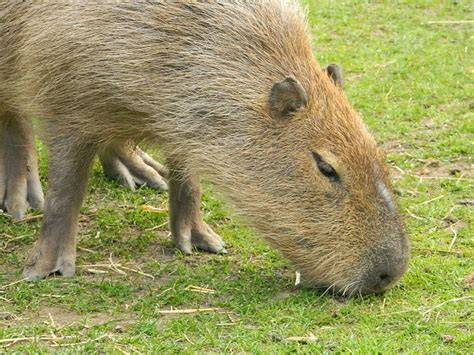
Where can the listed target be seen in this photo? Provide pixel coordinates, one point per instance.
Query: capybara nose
(378, 280)
(383, 276)
(383, 280)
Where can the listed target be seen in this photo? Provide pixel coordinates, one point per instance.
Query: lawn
(410, 75)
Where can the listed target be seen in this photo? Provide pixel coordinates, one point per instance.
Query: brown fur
(197, 79)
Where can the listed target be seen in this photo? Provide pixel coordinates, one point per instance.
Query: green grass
(412, 83)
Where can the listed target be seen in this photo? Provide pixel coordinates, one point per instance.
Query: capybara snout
(385, 266)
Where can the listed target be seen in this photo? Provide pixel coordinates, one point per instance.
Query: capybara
(230, 91)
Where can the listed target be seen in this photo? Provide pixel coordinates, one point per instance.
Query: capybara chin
(230, 91)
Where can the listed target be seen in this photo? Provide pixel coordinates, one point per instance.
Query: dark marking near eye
(325, 168)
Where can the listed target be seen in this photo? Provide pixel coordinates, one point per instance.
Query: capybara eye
(325, 168)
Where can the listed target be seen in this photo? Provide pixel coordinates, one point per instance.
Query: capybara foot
(45, 260)
(131, 166)
(19, 200)
(19, 190)
(202, 237)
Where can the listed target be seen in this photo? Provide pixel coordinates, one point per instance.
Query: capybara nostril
(384, 279)
(377, 281)
(384, 274)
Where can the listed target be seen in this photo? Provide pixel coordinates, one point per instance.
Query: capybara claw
(40, 265)
(203, 238)
(16, 212)
(36, 272)
(31, 274)
(206, 239)
(17, 205)
(185, 249)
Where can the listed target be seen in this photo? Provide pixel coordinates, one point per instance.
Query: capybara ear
(286, 96)
(334, 71)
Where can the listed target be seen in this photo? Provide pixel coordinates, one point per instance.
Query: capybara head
(320, 190)
(352, 238)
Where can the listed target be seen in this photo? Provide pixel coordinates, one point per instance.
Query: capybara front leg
(130, 166)
(186, 224)
(20, 185)
(55, 250)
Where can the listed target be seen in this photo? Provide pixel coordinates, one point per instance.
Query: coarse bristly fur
(195, 78)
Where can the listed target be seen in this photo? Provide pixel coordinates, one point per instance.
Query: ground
(409, 73)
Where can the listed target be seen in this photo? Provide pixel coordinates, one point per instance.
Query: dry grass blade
(311, 338)
(189, 340)
(190, 310)
(455, 236)
(450, 22)
(157, 227)
(444, 252)
(411, 214)
(51, 338)
(297, 278)
(136, 271)
(445, 302)
(198, 289)
(16, 340)
(115, 267)
(153, 209)
(13, 283)
(429, 201)
(118, 268)
(28, 219)
(80, 342)
(88, 250)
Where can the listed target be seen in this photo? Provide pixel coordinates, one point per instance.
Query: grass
(412, 82)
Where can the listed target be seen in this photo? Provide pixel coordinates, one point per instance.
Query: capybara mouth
(350, 290)
(356, 288)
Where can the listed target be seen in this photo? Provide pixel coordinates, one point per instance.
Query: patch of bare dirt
(434, 168)
(395, 146)
(469, 281)
(454, 104)
(58, 317)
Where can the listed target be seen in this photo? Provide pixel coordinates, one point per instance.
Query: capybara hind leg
(55, 250)
(186, 224)
(20, 186)
(130, 166)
